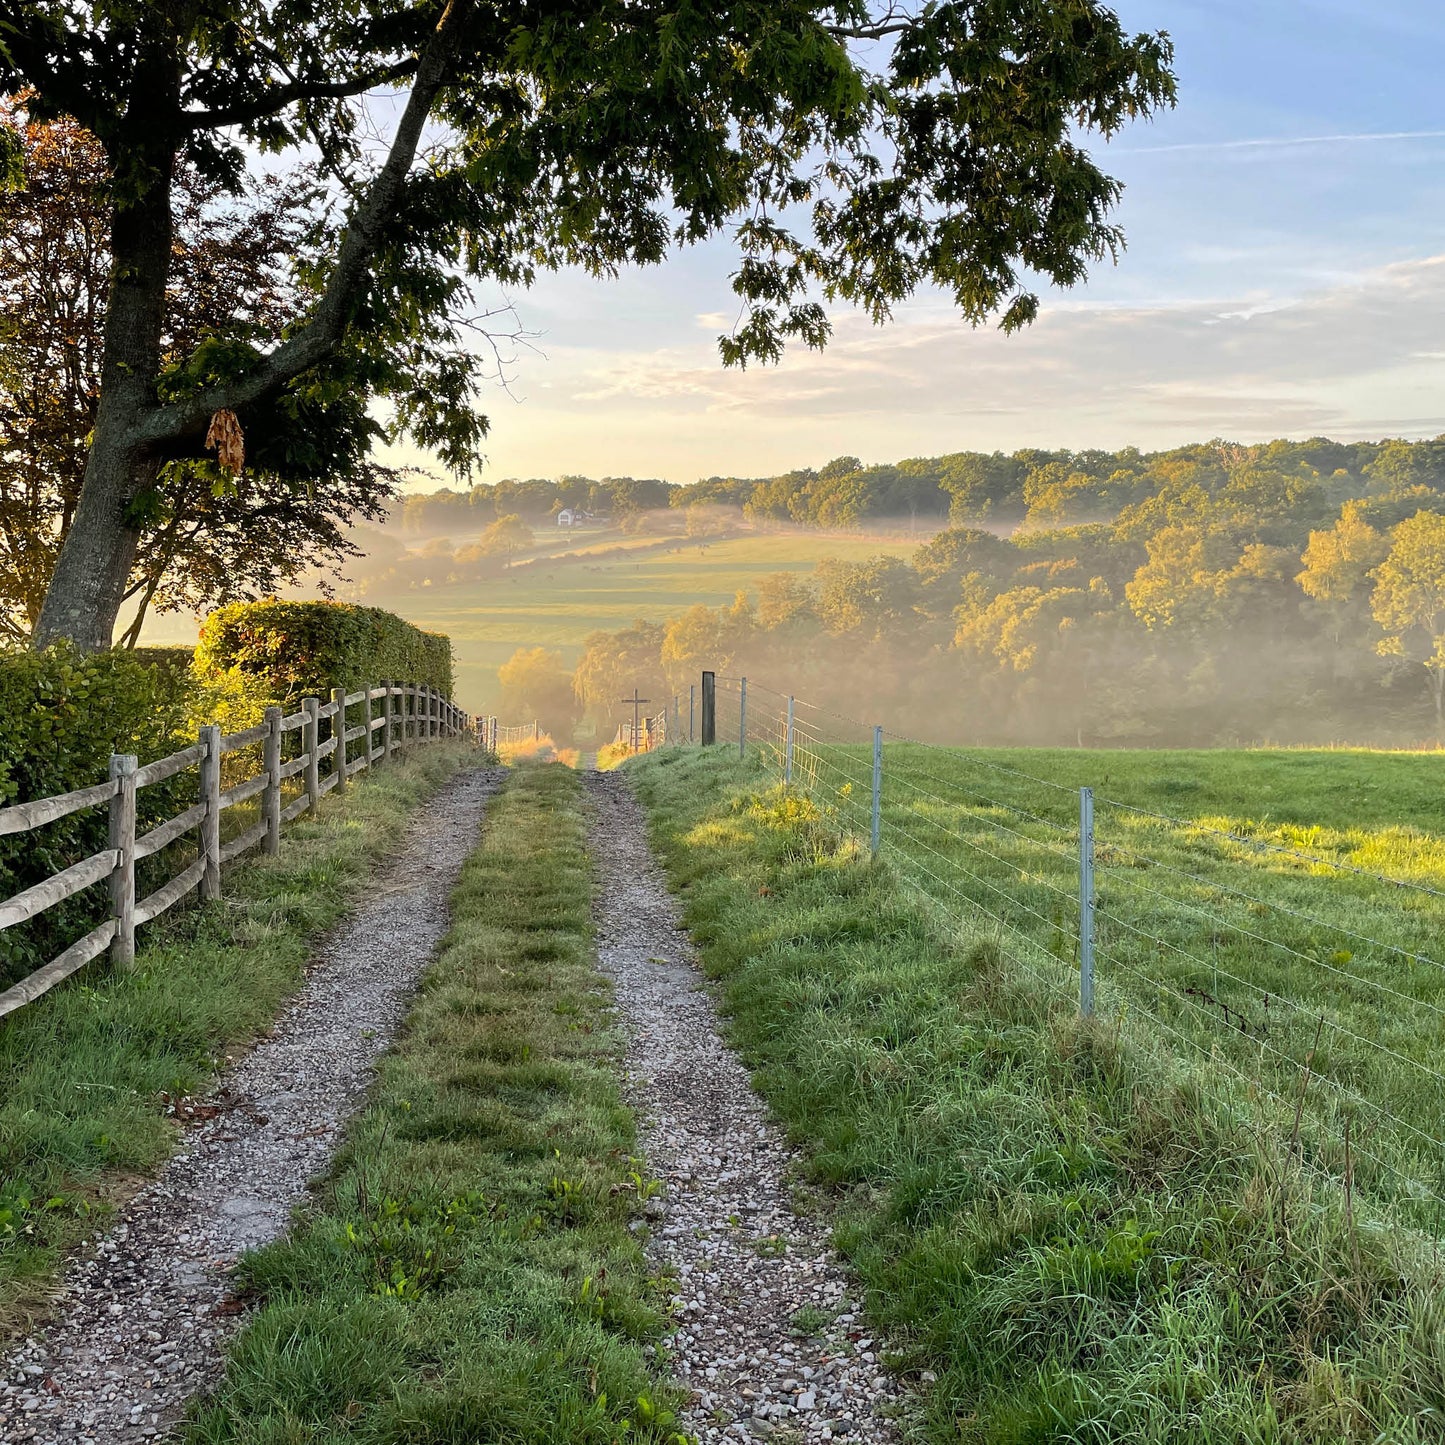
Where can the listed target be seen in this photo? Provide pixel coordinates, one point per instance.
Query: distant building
(568, 517)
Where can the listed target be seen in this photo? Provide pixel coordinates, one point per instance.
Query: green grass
(1083, 1236)
(558, 606)
(467, 1272)
(1264, 963)
(83, 1070)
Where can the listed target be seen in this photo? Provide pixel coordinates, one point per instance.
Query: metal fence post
(788, 749)
(877, 831)
(1086, 901)
(122, 839)
(210, 739)
(709, 709)
(742, 718)
(691, 709)
(310, 742)
(338, 731)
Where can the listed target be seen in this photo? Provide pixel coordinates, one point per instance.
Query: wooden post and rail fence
(408, 716)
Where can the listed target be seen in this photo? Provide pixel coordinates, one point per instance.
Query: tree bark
(93, 569)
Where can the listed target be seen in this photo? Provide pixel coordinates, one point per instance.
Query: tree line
(1290, 592)
(1032, 486)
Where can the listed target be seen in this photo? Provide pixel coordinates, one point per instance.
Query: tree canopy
(1291, 591)
(852, 152)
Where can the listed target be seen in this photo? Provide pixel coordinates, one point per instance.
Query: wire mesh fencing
(1305, 988)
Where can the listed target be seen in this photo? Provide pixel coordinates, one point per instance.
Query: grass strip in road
(467, 1272)
(1068, 1234)
(92, 1073)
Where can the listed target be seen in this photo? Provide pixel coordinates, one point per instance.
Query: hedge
(291, 650)
(62, 715)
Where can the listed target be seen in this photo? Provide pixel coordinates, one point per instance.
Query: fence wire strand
(831, 759)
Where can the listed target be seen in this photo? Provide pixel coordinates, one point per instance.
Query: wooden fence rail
(409, 715)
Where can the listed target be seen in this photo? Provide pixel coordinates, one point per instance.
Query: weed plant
(91, 1073)
(467, 1271)
(1069, 1234)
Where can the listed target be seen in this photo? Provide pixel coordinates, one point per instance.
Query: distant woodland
(1214, 594)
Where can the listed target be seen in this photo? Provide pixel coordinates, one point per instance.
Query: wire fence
(1304, 989)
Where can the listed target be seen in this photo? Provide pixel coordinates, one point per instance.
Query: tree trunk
(93, 569)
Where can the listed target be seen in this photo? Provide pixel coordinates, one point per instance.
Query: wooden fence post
(338, 731)
(211, 823)
(122, 838)
(311, 741)
(271, 796)
(386, 727)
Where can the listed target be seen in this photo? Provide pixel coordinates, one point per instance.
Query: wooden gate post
(386, 726)
(338, 731)
(211, 821)
(271, 796)
(122, 839)
(311, 742)
(709, 709)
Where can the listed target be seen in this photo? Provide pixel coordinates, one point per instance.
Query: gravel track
(745, 1261)
(144, 1315)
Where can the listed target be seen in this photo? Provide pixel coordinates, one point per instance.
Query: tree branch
(294, 91)
(323, 332)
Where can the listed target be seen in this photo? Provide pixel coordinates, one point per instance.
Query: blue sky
(1285, 276)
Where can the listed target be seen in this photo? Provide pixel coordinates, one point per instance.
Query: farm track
(768, 1341)
(143, 1317)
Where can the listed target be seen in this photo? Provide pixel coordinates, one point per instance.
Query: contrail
(1284, 142)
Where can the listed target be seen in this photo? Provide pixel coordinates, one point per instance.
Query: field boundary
(421, 715)
(1171, 927)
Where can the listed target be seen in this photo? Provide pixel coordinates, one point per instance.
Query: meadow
(1270, 918)
(572, 584)
(1085, 1230)
(547, 602)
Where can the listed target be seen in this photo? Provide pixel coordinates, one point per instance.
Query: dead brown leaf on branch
(229, 444)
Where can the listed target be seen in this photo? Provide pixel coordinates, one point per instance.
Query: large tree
(854, 152)
(205, 538)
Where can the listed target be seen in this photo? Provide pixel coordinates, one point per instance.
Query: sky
(1285, 276)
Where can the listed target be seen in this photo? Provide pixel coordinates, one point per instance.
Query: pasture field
(556, 604)
(1093, 1230)
(1244, 919)
(574, 584)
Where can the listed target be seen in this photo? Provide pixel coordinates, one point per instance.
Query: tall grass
(467, 1272)
(1239, 921)
(1067, 1236)
(85, 1072)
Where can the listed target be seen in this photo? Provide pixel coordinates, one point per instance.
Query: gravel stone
(143, 1316)
(744, 1261)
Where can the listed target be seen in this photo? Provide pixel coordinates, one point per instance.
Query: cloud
(1357, 359)
(927, 361)
(1283, 142)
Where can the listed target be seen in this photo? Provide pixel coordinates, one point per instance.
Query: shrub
(291, 650)
(62, 715)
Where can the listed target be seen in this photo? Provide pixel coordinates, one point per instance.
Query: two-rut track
(767, 1340)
